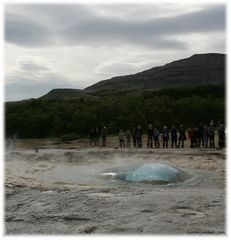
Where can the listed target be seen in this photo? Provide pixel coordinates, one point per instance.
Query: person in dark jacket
(165, 136)
(139, 137)
(97, 136)
(173, 136)
(92, 136)
(104, 136)
(206, 136)
(196, 129)
(182, 136)
(221, 135)
(211, 134)
(201, 135)
(134, 136)
(150, 136)
(156, 135)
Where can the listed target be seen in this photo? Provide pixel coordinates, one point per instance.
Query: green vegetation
(40, 118)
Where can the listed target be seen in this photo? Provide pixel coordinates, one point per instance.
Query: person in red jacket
(192, 137)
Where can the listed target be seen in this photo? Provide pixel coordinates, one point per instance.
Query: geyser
(156, 173)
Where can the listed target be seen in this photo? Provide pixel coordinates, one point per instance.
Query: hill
(188, 91)
(62, 93)
(199, 69)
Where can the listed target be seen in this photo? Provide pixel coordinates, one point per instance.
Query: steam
(71, 167)
(61, 167)
(11, 143)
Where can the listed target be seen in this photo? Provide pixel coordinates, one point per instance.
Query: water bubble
(149, 172)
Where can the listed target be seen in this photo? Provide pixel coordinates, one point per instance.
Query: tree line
(41, 118)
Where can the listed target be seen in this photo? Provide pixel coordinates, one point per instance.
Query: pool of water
(100, 167)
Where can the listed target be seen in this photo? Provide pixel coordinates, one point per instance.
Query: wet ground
(60, 191)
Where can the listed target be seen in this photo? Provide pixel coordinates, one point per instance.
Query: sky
(51, 46)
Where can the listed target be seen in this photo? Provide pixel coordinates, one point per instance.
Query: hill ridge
(198, 69)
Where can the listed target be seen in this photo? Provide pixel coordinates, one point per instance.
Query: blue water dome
(148, 172)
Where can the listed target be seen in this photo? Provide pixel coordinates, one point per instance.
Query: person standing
(92, 136)
(165, 136)
(128, 138)
(182, 136)
(200, 135)
(121, 138)
(134, 136)
(150, 136)
(173, 136)
(97, 135)
(221, 135)
(156, 134)
(192, 137)
(139, 137)
(206, 136)
(196, 130)
(104, 136)
(211, 134)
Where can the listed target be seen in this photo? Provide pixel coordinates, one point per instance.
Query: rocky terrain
(59, 191)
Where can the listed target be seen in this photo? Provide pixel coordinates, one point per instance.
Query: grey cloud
(39, 25)
(58, 14)
(26, 32)
(78, 25)
(33, 64)
(28, 66)
(211, 19)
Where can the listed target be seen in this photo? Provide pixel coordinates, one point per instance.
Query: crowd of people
(200, 136)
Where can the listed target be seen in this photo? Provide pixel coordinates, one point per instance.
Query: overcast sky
(74, 46)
